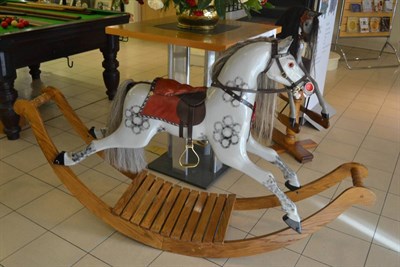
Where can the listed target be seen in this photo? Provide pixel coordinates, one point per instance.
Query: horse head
(309, 23)
(284, 69)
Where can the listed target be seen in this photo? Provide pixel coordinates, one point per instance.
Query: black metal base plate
(202, 176)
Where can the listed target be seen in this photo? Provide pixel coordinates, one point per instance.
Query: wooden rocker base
(180, 220)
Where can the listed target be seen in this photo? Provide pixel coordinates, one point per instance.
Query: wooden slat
(174, 214)
(146, 202)
(135, 201)
(184, 216)
(156, 205)
(225, 217)
(204, 218)
(194, 217)
(166, 208)
(214, 219)
(130, 191)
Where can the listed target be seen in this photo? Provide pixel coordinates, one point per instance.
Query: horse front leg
(240, 161)
(270, 155)
(291, 218)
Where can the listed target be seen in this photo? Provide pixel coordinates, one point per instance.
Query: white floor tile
(58, 253)
(16, 232)
(364, 129)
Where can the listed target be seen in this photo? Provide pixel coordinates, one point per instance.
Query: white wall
(374, 43)
(134, 8)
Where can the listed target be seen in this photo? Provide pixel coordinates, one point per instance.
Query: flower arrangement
(196, 7)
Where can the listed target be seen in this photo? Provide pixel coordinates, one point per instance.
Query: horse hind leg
(71, 158)
(128, 146)
(270, 155)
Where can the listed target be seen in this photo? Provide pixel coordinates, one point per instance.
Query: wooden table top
(227, 33)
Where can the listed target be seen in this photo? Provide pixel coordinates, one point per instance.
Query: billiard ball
(15, 22)
(4, 24)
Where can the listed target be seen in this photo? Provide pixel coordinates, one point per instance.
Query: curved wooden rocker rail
(184, 221)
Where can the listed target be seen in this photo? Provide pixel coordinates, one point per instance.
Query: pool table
(49, 38)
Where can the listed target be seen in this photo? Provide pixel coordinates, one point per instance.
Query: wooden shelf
(368, 34)
(348, 13)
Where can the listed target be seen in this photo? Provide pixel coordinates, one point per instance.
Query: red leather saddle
(176, 103)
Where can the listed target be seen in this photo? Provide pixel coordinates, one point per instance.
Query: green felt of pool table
(96, 14)
(31, 46)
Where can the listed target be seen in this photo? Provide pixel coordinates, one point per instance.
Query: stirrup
(188, 146)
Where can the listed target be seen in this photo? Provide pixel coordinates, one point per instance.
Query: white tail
(124, 159)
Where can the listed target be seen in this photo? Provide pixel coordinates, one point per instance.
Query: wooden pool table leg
(110, 64)
(8, 95)
(34, 71)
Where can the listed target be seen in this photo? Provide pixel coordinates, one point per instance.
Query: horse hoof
(59, 160)
(291, 187)
(92, 133)
(302, 121)
(292, 224)
(325, 115)
(292, 122)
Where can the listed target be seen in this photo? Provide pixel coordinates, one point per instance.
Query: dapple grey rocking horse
(226, 125)
(178, 219)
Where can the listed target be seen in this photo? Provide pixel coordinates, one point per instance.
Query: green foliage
(219, 5)
(202, 4)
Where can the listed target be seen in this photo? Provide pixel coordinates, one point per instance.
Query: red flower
(191, 3)
(198, 13)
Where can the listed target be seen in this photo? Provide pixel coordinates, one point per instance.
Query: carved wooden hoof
(292, 224)
(59, 160)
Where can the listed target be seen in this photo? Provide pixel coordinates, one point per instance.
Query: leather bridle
(275, 56)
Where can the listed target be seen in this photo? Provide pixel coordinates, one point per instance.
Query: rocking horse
(302, 25)
(180, 220)
(227, 134)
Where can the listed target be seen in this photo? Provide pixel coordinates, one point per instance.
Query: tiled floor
(41, 224)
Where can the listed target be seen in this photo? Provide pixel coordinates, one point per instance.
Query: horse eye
(291, 65)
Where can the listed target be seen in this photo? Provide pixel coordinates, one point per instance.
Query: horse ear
(284, 44)
(314, 14)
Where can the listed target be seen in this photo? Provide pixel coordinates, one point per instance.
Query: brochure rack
(379, 20)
